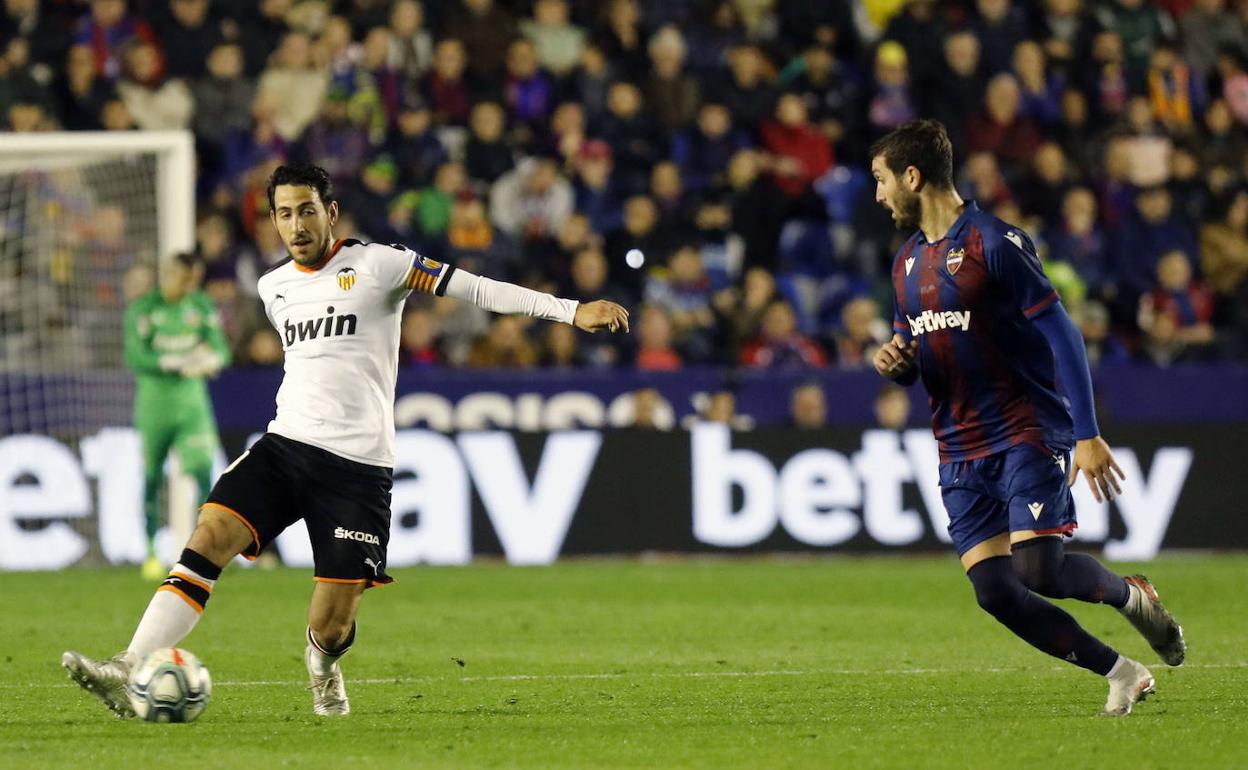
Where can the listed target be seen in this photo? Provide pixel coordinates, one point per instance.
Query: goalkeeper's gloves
(203, 361)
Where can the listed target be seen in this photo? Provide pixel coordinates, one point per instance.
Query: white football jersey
(339, 325)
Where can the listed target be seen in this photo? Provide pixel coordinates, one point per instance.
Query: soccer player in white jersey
(328, 455)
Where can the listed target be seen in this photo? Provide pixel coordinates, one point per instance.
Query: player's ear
(914, 179)
(333, 213)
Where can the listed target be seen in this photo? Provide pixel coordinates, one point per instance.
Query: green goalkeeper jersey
(170, 345)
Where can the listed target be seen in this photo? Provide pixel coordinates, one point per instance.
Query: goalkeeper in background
(173, 340)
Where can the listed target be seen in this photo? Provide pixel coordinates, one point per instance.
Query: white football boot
(1145, 611)
(105, 679)
(329, 693)
(1129, 683)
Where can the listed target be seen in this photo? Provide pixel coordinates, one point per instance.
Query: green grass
(837, 662)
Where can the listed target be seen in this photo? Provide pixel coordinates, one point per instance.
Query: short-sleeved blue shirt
(989, 372)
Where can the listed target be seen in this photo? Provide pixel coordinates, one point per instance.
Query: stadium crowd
(539, 141)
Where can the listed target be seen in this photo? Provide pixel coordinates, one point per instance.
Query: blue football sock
(1044, 566)
(1046, 627)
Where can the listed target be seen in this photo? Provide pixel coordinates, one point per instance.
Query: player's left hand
(1092, 456)
(601, 314)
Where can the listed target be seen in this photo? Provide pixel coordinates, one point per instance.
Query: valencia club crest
(346, 278)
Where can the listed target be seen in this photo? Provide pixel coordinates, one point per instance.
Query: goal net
(84, 218)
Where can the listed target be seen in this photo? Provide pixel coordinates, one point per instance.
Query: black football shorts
(345, 504)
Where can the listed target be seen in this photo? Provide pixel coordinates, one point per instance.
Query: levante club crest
(953, 260)
(346, 278)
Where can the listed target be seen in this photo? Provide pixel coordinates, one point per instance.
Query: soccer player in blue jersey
(977, 321)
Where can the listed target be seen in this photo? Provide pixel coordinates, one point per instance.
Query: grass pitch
(836, 662)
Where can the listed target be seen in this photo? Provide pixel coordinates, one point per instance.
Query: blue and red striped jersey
(989, 372)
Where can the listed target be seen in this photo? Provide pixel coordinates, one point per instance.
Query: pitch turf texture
(832, 662)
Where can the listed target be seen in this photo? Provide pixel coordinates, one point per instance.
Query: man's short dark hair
(187, 259)
(305, 175)
(923, 144)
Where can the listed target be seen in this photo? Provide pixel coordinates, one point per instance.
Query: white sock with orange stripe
(176, 607)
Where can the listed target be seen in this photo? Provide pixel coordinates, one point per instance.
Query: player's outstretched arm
(508, 298)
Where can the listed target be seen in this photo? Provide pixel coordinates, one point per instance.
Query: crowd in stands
(539, 141)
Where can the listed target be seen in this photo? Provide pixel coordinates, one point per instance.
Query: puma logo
(376, 566)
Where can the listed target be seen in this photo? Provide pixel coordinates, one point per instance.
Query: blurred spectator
(487, 156)
(589, 278)
(1136, 247)
(532, 201)
(155, 103)
(672, 94)
(667, 190)
(589, 82)
(619, 37)
(188, 34)
(1041, 191)
(632, 135)
(1140, 25)
(263, 348)
(757, 210)
(640, 231)
(336, 142)
(474, 244)
(1223, 143)
(560, 347)
(106, 28)
(81, 94)
(261, 33)
(444, 87)
(741, 310)
(654, 340)
(1040, 90)
(830, 92)
(800, 153)
(369, 198)
(412, 142)
(721, 407)
(746, 91)
(485, 28)
(418, 340)
(567, 131)
(647, 403)
(411, 45)
(1102, 346)
(1175, 92)
(1224, 246)
(1208, 28)
(962, 87)
(559, 43)
(684, 291)
(704, 151)
(223, 99)
(913, 39)
(41, 28)
(1065, 28)
(808, 406)
(527, 91)
(1105, 82)
(291, 89)
(504, 346)
(891, 104)
(779, 343)
(1176, 315)
(597, 196)
(999, 25)
(1079, 241)
(433, 205)
(892, 407)
(999, 128)
(861, 332)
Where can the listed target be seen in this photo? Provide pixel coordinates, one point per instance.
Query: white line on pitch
(647, 675)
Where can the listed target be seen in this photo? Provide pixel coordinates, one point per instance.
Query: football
(169, 685)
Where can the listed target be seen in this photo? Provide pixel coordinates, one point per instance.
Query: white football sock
(172, 613)
(321, 662)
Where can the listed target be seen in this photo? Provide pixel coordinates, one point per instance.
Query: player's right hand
(895, 357)
(601, 314)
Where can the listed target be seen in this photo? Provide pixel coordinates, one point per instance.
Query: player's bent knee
(219, 536)
(997, 590)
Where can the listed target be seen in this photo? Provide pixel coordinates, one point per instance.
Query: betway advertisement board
(533, 497)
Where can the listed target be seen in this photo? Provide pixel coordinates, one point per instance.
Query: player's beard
(312, 257)
(907, 211)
